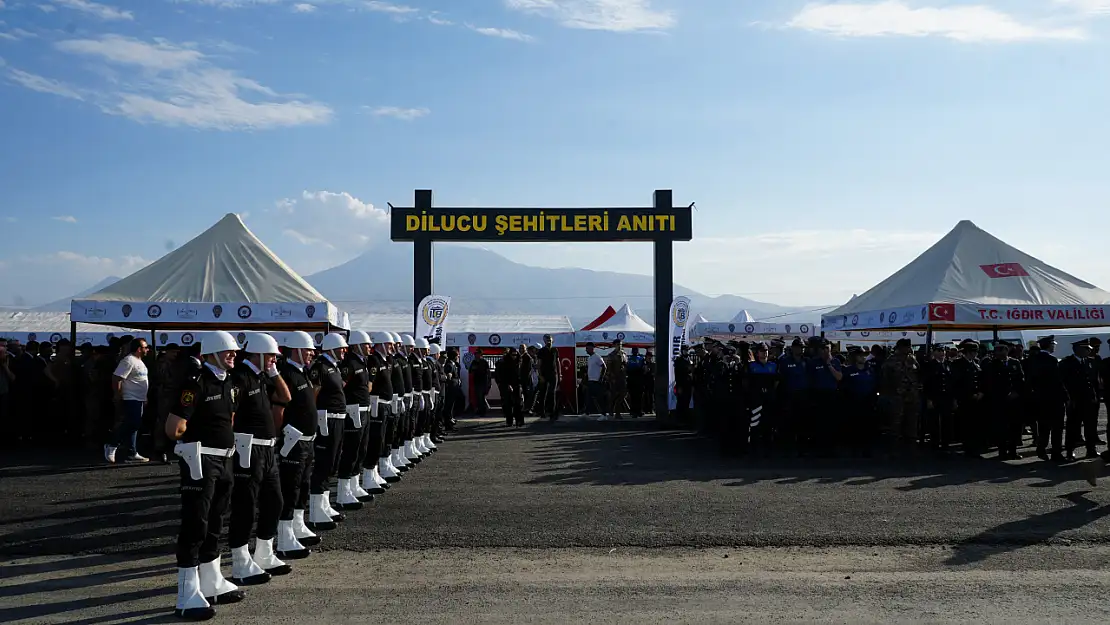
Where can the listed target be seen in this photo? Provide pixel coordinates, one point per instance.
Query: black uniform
(417, 416)
(208, 404)
(1080, 377)
(1049, 396)
(1003, 383)
(684, 387)
(258, 485)
(397, 374)
(547, 394)
(376, 448)
(295, 466)
(737, 420)
(356, 391)
(436, 425)
(330, 400)
(453, 392)
(939, 388)
(860, 387)
(507, 374)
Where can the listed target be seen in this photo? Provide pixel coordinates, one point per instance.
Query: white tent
(743, 317)
(625, 326)
(479, 330)
(972, 280)
(225, 277)
(751, 329)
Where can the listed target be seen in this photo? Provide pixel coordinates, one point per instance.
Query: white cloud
(69, 219)
(1093, 7)
(388, 7)
(304, 8)
(611, 15)
(329, 227)
(2, 4)
(228, 4)
(47, 8)
(304, 239)
(404, 114)
(353, 205)
(177, 85)
(102, 11)
(41, 278)
(503, 33)
(967, 23)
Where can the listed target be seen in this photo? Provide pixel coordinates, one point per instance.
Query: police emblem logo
(882, 317)
(241, 338)
(620, 336)
(892, 317)
(495, 339)
(788, 328)
(804, 329)
(748, 329)
(54, 338)
(319, 338)
(244, 312)
(434, 311)
(235, 393)
(217, 310)
(314, 374)
(188, 398)
(681, 313)
(154, 311)
(32, 337)
(163, 338)
(732, 327)
(187, 339)
(373, 371)
(310, 311)
(855, 320)
(126, 310)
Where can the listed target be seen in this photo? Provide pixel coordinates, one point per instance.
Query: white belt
(263, 442)
(306, 439)
(364, 408)
(336, 415)
(216, 451)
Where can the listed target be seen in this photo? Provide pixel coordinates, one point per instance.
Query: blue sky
(825, 143)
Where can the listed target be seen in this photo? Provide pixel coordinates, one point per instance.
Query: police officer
(940, 402)
(860, 387)
(257, 480)
(759, 385)
(376, 468)
(1080, 378)
(331, 416)
(794, 390)
(453, 388)
(410, 369)
(201, 425)
(967, 385)
(420, 440)
(1003, 382)
(1050, 396)
(296, 454)
(435, 353)
(683, 384)
(349, 495)
(549, 375)
(824, 372)
(400, 398)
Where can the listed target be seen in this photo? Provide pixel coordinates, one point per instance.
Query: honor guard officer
(298, 421)
(1050, 396)
(376, 468)
(356, 389)
(440, 379)
(257, 480)
(967, 385)
(423, 441)
(940, 401)
(412, 388)
(423, 395)
(400, 401)
(331, 415)
(1080, 377)
(201, 423)
(1003, 381)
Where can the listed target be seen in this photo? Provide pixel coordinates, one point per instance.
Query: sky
(824, 144)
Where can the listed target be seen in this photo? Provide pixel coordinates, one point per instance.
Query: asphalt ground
(489, 528)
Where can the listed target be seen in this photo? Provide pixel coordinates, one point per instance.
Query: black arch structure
(662, 224)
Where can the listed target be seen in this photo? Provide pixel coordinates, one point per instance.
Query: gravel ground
(598, 522)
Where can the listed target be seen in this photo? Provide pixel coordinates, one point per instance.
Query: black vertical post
(664, 294)
(421, 259)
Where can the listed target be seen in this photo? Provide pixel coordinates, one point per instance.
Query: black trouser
(328, 449)
(1050, 423)
(375, 439)
(735, 427)
(795, 405)
(510, 405)
(636, 395)
(529, 395)
(547, 404)
(1005, 423)
(295, 471)
(203, 504)
(861, 413)
(256, 488)
(389, 441)
(354, 448)
(682, 403)
(1083, 418)
(820, 423)
(941, 423)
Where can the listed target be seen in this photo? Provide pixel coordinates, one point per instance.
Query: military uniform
(1050, 397)
(1003, 384)
(794, 394)
(296, 459)
(395, 432)
(331, 417)
(1080, 378)
(940, 400)
(378, 448)
(356, 427)
(684, 386)
(900, 395)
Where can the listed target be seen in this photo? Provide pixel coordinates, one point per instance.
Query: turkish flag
(1004, 270)
(942, 312)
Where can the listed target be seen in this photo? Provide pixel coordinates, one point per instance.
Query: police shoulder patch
(188, 398)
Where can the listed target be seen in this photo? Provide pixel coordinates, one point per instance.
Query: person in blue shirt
(636, 377)
(859, 385)
(822, 426)
(793, 394)
(760, 385)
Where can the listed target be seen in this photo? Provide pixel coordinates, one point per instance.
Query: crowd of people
(812, 400)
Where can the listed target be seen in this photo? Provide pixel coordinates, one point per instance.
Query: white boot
(369, 477)
(359, 492)
(265, 558)
(304, 535)
(287, 543)
(214, 587)
(387, 472)
(335, 515)
(378, 479)
(410, 452)
(244, 570)
(318, 517)
(191, 603)
(345, 495)
(398, 460)
(429, 443)
(418, 445)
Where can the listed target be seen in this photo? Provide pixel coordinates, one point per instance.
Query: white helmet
(407, 341)
(260, 343)
(333, 341)
(538, 346)
(299, 340)
(434, 349)
(421, 343)
(395, 338)
(216, 342)
(358, 337)
(381, 338)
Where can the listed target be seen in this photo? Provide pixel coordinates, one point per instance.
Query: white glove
(272, 371)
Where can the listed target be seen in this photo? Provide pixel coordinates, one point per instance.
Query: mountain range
(484, 282)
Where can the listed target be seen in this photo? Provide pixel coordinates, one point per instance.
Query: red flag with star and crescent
(1004, 270)
(942, 312)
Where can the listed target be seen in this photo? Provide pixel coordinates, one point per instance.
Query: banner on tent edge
(942, 313)
(679, 320)
(431, 318)
(246, 313)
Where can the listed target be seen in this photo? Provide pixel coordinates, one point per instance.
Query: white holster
(354, 413)
(190, 453)
(243, 443)
(421, 401)
(292, 435)
(434, 395)
(322, 422)
(374, 407)
(396, 404)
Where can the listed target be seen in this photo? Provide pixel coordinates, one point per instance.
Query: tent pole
(153, 342)
(928, 341)
(995, 334)
(73, 334)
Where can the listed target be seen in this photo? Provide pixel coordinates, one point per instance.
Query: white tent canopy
(753, 329)
(625, 326)
(743, 317)
(972, 280)
(479, 330)
(225, 276)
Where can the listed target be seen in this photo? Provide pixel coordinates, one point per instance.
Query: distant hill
(483, 282)
(62, 305)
